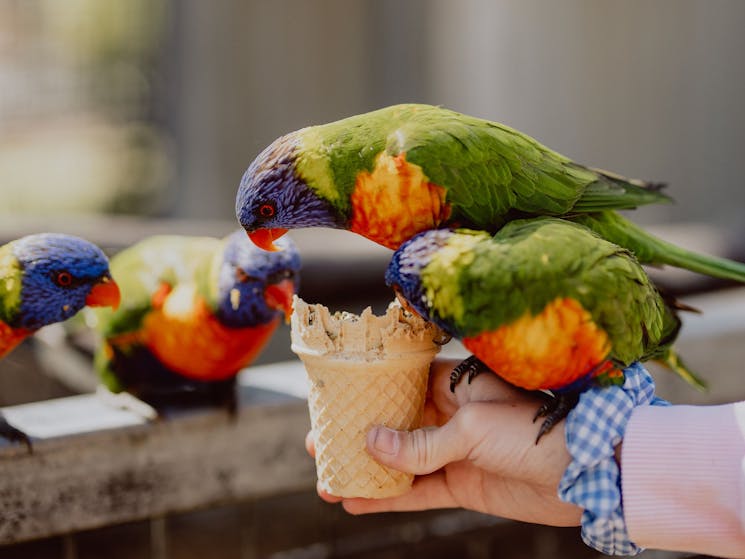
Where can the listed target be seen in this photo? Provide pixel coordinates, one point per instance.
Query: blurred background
(127, 117)
(156, 107)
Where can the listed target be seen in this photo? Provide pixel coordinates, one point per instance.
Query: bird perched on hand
(195, 311)
(395, 172)
(47, 278)
(546, 304)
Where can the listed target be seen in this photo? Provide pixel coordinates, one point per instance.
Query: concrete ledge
(94, 465)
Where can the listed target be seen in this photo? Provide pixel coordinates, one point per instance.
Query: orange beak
(279, 296)
(264, 238)
(105, 293)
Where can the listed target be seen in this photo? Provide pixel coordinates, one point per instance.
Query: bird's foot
(473, 366)
(14, 435)
(554, 409)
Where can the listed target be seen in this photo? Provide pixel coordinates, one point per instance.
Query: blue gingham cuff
(592, 480)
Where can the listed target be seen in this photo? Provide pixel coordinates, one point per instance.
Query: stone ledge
(93, 465)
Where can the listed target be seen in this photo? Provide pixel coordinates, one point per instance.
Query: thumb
(420, 451)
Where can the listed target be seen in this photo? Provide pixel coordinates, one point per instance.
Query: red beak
(105, 293)
(279, 296)
(264, 238)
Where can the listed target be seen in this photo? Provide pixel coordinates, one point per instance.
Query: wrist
(594, 431)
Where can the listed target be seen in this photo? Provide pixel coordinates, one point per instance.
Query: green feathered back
(141, 268)
(491, 174)
(479, 283)
(489, 170)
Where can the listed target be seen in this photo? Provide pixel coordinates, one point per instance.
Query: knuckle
(422, 448)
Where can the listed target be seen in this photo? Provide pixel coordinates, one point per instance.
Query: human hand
(477, 451)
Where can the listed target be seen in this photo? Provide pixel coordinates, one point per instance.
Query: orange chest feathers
(185, 336)
(10, 338)
(395, 202)
(550, 350)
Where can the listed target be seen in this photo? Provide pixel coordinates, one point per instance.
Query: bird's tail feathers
(614, 192)
(649, 249)
(672, 361)
(652, 186)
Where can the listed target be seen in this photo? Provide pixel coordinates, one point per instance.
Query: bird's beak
(404, 303)
(264, 238)
(105, 293)
(279, 296)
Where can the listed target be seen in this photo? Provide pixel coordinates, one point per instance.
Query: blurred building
(158, 107)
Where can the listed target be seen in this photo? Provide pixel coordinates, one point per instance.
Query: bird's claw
(472, 365)
(554, 409)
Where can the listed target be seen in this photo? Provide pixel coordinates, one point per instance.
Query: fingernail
(383, 440)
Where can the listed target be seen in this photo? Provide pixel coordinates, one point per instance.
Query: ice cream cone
(362, 371)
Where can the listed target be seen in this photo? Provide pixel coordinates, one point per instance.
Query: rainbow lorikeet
(195, 311)
(545, 303)
(47, 278)
(392, 173)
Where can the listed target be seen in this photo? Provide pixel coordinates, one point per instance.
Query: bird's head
(255, 285)
(60, 274)
(404, 272)
(272, 198)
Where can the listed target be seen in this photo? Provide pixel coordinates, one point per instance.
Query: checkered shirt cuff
(592, 480)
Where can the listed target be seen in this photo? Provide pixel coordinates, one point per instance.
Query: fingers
(310, 444)
(428, 492)
(420, 451)
(326, 496)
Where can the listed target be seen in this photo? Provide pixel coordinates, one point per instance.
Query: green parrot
(195, 311)
(545, 303)
(392, 173)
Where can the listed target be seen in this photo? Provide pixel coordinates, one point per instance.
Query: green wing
(492, 174)
(140, 271)
(489, 170)
(478, 283)
(142, 268)
(492, 171)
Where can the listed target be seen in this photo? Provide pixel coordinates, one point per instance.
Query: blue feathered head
(60, 274)
(272, 198)
(255, 285)
(404, 272)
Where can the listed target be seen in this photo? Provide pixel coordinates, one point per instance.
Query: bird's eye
(63, 279)
(279, 276)
(266, 210)
(242, 277)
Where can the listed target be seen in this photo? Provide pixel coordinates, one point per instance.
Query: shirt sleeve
(683, 478)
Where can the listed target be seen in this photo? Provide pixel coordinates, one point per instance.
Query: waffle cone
(362, 371)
